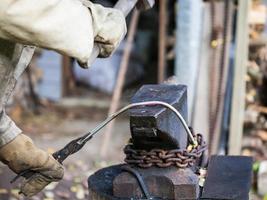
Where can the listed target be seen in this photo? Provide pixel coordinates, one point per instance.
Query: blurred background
(215, 47)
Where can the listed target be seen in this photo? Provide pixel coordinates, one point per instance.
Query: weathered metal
(157, 127)
(159, 142)
(163, 183)
(142, 185)
(229, 177)
(162, 163)
(180, 158)
(101, 183)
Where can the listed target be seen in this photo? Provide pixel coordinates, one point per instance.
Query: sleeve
(12, 57)
(61, 25)
(8, 129)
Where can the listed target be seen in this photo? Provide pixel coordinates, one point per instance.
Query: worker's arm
(16, 149)
(67, 26)
(19, 153)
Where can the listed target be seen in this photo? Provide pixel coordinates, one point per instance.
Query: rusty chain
(180, 158)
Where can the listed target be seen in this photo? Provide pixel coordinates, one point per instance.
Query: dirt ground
(51, 131)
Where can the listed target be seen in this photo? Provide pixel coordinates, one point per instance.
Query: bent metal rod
(76, 144)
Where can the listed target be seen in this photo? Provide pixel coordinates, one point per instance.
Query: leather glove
(109, 27)
(21, 154)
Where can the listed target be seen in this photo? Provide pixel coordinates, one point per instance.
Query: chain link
(165, 158)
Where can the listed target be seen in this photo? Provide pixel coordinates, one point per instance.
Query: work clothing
(14, 58)
(21, 154)
(104, 21)
(67, 26)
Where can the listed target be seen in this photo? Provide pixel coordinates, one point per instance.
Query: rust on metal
(164, 158)
(163, 183)
(160, 150)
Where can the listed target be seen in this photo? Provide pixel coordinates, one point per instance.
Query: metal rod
(147, 103)
(71, 149)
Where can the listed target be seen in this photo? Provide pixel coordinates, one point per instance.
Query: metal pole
(67, 81)
(189, 31)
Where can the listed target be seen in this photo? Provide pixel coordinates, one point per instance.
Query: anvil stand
(156, 127)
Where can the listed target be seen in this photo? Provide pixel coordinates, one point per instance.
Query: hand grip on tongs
(126, 8)
(60, 155)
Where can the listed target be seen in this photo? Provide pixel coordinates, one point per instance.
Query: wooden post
(200, 113)
(162, 40)
(67, 81)
(240, 69)
(222, 72)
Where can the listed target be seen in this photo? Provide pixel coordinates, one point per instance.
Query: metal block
(167, 183)
(157, 126)
(100, 183)
(228, 177)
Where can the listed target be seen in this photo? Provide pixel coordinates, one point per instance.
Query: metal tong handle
(60, 155)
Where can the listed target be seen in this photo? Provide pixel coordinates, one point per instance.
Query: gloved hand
(21, 154)
(109, 27)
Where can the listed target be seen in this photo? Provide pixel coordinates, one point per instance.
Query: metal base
(101, 183)
(163, 183)
(169, 183)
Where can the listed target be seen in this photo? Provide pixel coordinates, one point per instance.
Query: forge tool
(76, 144)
